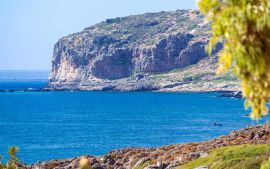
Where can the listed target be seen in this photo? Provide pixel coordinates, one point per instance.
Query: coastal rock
(140, 162)
(201, 167)
(166, 157)
(232, 94)
(136, 53)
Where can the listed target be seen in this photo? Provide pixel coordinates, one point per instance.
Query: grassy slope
(233, 157)
(198, 77)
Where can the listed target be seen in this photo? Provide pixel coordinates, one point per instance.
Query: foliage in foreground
(13, 160)
(233, 157)
(244, 28)
(84, 163)
(266, 164)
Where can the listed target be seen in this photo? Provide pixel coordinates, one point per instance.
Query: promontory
(162, 51)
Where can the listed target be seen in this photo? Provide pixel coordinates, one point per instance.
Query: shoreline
(165, 157)
(223, 93)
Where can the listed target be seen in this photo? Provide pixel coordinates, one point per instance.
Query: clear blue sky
(30, 28)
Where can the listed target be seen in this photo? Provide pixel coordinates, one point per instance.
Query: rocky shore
(222, 93)
(233, 94)
(166, 157)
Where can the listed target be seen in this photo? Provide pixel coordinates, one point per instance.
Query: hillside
(154, 51)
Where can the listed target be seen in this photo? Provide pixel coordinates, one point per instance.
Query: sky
(30, 28)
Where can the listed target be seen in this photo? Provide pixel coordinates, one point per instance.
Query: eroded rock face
(119, 49)
(115, 65)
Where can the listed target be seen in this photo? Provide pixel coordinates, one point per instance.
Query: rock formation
(129, 53)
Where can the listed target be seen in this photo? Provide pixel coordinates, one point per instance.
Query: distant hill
(154, 51)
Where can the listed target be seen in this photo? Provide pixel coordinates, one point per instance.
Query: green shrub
(13, 160)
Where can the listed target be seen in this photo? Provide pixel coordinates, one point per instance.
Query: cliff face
(128, 53)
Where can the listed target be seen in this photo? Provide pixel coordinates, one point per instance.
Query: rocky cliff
(154, 51)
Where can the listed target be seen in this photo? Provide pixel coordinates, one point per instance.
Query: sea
(57, 125)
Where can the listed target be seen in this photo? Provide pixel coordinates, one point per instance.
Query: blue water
(22, 80)
(55, 125)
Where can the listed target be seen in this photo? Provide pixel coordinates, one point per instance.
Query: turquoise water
(55, 125)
